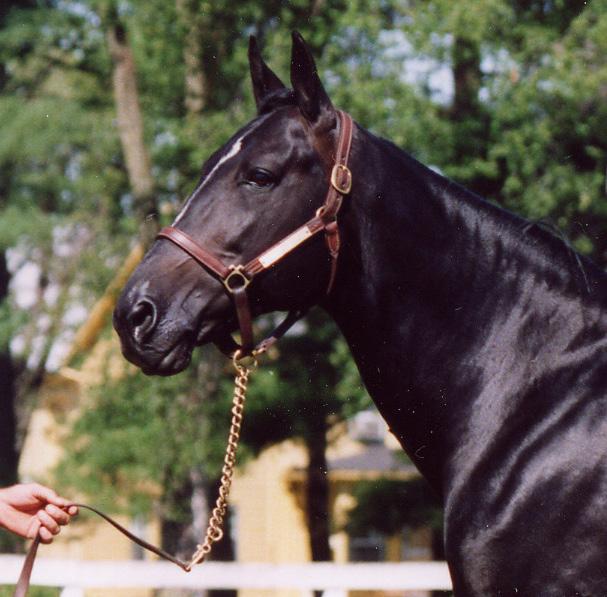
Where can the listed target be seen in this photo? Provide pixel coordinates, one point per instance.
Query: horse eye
(259, 177)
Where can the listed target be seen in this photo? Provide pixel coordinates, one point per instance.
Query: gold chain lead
(215, 527)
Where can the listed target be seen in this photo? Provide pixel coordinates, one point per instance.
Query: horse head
(267, 180)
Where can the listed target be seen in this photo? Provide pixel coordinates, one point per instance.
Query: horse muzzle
(159, 335)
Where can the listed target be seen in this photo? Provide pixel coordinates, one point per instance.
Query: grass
(7, 591)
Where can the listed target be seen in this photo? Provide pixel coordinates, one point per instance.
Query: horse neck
(433, 289)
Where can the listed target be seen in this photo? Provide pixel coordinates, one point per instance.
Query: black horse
(480, 336)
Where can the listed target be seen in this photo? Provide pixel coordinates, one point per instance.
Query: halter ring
(236, 279)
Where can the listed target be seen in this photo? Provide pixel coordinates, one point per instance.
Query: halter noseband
(236, 278)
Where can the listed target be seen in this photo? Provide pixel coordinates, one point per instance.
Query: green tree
(8, 424)
(524, 125)
(387, 507)
(153, 42)
(49, 185)
(526, 118)
(147, 439)
(555, 115)
(296, 396)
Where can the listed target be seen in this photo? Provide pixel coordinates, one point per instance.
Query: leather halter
(236, 278)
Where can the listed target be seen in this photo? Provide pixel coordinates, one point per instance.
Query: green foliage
(137, 442)
(547, 130)
(387, 506)
(349, 389)
(301, 390)
(7, 591)
(61, 183)
(539, 146)
(50, 111)
(9, 323)
(531, 135)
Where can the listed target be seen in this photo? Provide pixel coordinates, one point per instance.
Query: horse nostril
(142, 319)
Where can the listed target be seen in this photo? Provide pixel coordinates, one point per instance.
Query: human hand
(31, 509)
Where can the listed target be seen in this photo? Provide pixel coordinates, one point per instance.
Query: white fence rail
(75, 575)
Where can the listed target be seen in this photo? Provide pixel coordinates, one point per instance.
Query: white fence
(73, 576)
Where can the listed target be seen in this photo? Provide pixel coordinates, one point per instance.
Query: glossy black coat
(480, 336)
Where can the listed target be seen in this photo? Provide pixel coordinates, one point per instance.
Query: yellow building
(267, 501)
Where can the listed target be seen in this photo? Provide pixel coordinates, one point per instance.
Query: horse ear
(312, 99)
(264, 80)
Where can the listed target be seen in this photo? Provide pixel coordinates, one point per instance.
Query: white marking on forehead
(234, 150)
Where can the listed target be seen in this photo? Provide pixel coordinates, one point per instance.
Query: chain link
(215, 527)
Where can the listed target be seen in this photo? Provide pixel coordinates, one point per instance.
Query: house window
(416, 544)
(367, 548)
(138, 527)
(234, 522)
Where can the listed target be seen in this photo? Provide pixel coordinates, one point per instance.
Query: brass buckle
(236, 279)
(346, 185)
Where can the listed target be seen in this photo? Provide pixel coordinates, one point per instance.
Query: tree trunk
(180, 537)
(317, 498)
(196, 84)
(223, 551)
(438, 552)
(470, 120)
(466, 77)
(130, 126)
(9, 459)
(8, 424)
(465, 111)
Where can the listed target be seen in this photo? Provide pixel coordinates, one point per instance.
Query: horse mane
(552, 240)
(540, 240)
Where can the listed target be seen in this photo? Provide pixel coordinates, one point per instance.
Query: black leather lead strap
(23, 583)
(228, 346)
(280, 330)
(245, 321)
(141, 542)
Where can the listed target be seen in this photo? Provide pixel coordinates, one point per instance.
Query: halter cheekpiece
(236, 278)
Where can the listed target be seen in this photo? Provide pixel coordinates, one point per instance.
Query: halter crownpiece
(236, 278)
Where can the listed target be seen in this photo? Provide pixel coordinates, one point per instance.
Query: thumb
(48, 495)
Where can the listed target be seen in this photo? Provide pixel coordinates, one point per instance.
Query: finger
(33, 528)
(45, 535)
(73, 510)
(57, 514)
(60, 501)
(48, 522)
